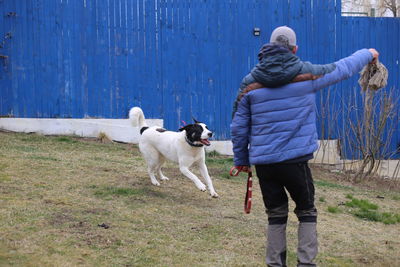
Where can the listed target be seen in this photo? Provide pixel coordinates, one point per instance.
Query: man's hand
(375, 55)
(243, 168)
(237, 169)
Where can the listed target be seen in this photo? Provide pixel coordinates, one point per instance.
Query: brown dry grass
(55, 191)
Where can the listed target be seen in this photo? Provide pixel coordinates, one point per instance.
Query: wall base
(116, 129)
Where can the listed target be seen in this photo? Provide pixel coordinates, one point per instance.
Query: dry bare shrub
(369, 123)
(102, 137)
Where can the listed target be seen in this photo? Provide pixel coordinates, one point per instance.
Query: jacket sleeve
(240, 133)
(345, 68)
(317, 69)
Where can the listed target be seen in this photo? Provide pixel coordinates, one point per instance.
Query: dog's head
(197, 133)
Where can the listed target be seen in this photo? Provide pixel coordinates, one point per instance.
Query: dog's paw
(214, 195)
(156, 183)
(164, 178)
(202, 187)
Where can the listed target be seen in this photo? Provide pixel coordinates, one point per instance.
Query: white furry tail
(136, 117)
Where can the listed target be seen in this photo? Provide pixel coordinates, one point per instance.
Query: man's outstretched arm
(347, 67)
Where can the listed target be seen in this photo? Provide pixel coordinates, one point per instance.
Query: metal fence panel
(177, 59)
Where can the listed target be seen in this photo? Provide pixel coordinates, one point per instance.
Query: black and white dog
(185, 147)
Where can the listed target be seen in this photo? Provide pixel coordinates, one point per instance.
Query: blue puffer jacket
(275, 125)
(278, 66)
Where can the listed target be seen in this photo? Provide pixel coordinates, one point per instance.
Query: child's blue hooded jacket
(278, 66)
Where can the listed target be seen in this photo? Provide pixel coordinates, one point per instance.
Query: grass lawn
(67, 201)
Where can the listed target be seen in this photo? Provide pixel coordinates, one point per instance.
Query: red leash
(249, 193)
(235, 172)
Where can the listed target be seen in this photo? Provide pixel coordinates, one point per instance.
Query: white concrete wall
(386, 168)
(327, 152)
(222, 147)
(116, 129)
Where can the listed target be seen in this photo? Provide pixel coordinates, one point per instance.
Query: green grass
(117, 191)
(372, 215)
(349, 196)
(213, 158)
(43, 158)
(4, 177)
(66, 139)
(362, 204)
(364, 209)
(328, 184)
(222, 163)
(339, 261)
(332, 209)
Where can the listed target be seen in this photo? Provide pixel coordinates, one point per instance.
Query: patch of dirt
(216, 171)
(54, 202)
(9, 189)
(127, 178)
(96, 239)
(97, 211)
(323, 172)
(171, 171)
(153, 193)
(92, 235)
(61, 218)
(78, 225)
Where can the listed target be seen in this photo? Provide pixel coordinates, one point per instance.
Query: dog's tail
(136, 117)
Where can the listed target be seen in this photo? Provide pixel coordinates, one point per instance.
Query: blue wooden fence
(174, 58)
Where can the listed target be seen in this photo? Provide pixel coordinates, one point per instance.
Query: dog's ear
(195, 121)
(186, 127)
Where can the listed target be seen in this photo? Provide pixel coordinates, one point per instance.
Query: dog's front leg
(191, 176)
(204, 172)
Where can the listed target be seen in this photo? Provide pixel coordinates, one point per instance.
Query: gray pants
(307, 245)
